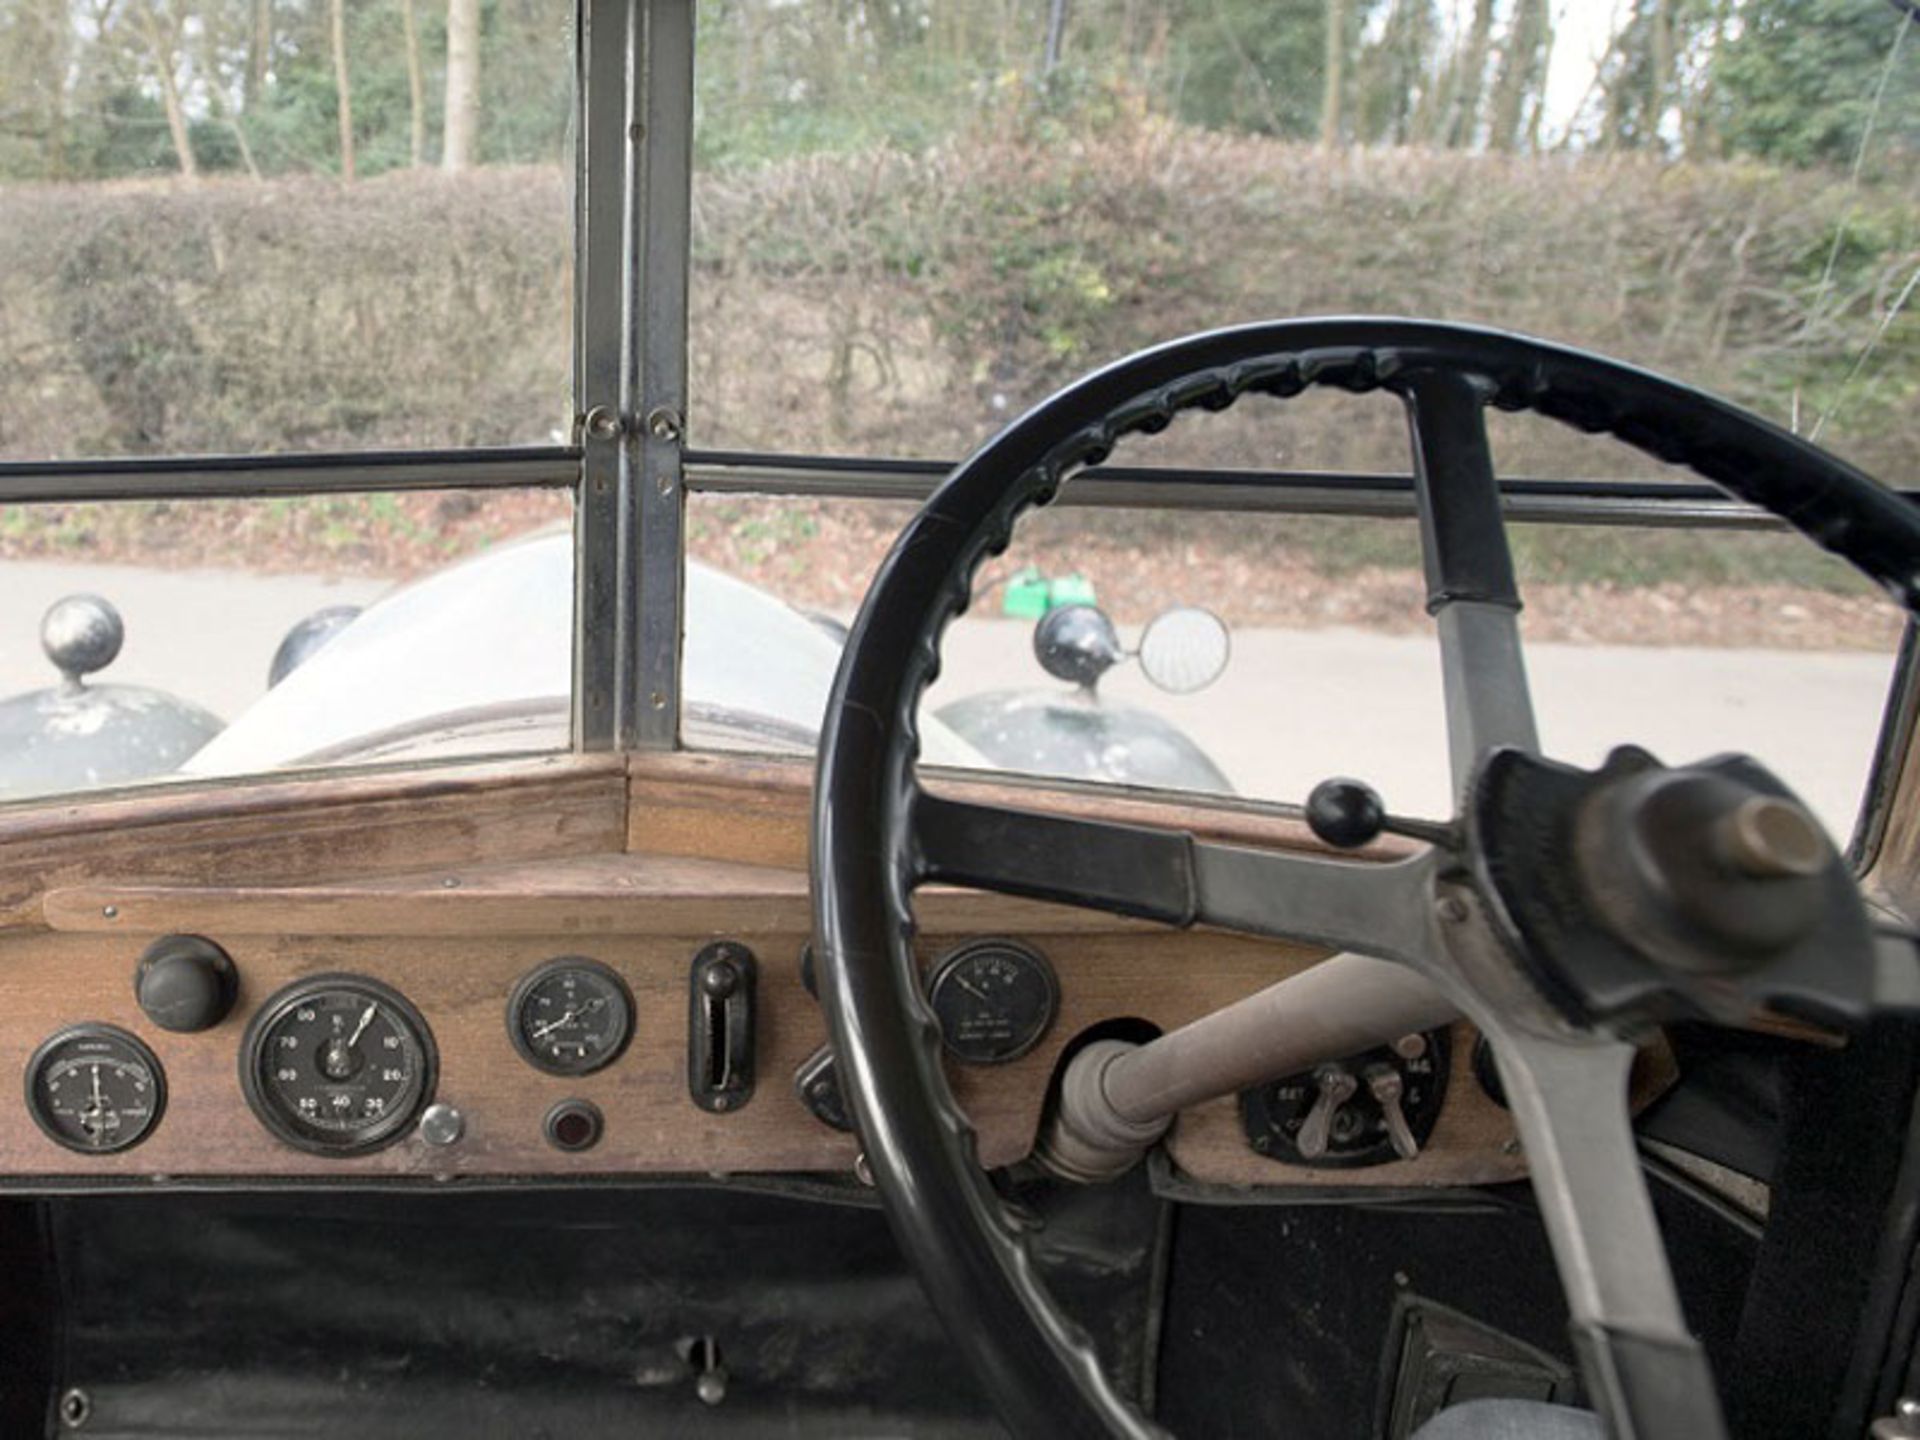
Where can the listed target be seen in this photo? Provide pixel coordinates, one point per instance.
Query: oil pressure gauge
(338, 1065)
(995, 999)
(95, 1089)
(570, 1016)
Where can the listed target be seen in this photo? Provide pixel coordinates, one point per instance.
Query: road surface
(1293, 707)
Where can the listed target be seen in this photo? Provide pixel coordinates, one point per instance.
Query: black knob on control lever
(1346, 813)
(185, 983)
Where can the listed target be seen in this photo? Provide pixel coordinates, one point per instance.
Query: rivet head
(601, 423)
(664, 424)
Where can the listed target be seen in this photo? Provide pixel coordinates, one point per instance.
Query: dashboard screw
(442, 1125)
(76, 1408)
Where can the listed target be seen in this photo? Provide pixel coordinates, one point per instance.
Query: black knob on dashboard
(185, 983)
(1346, 813)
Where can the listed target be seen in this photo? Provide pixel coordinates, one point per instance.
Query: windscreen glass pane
(1690, 643)
(914, 221)
(249, 226)
(143, 642)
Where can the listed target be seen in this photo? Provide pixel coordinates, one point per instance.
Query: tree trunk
(1660, 71)
(217, 103)
(160, 41)
(1522, 74)
(343, 90)
(1537, 109)
(416, 90)
(1697, 134)
(1336, 53)
(1472, 76)
(57, 29)
(463, 85)
(1056, 37)
(259, 54)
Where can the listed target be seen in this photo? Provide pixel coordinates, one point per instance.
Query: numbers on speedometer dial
(338, 1065)
(571, 1016)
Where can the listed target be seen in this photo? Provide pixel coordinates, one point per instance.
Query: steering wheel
(1563, 911)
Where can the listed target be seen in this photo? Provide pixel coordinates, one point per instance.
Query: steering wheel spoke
(1644, 1370)
(1371, 908)
(1471, 590)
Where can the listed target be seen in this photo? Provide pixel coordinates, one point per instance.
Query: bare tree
(416, 89)
(1522, 75)
(343, 89)
(162, 34)
(1056, 36)
(217, 97)
(1336, 53)
(1660, 72)
(463, 85)
(1470, 76)
(259, 53)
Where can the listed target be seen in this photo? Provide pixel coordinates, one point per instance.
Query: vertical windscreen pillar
(660, 237)
(603, 604)
(633, 203)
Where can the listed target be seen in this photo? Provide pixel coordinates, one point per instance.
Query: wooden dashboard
(450, 886)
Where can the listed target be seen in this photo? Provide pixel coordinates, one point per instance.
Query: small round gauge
(994, 999)
(95, 1089)
(570, 1016)
(338, 1064)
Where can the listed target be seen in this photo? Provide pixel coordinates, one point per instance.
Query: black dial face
(338, 1065)
(571, 1016)
(95, 1089)
(994, 999)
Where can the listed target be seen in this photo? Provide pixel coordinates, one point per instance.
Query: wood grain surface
(460, 982)
(451, 883)
(299, 831)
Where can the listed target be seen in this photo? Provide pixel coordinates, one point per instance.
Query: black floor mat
(532, 1315)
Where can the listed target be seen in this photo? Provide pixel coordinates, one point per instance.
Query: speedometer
(338, 1065)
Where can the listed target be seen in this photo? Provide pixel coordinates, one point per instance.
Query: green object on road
(1031, 594)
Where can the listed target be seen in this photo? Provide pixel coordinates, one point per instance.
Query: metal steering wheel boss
(1563, 911)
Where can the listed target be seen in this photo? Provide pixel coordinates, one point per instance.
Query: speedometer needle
(547, 1029)
(366, 1019)
(567, 1019)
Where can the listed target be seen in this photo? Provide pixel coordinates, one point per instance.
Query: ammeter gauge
(338, 1065)
(95, 1089)
(995, 999)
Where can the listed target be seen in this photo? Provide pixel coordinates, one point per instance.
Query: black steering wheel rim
(1038, 1368)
